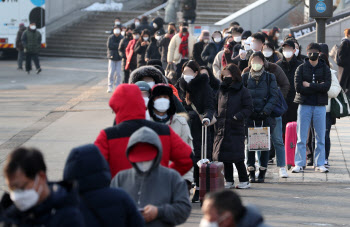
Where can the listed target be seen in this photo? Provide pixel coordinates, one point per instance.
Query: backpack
(340, 106)
(187, 5)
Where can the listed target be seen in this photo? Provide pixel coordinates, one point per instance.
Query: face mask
(296, 52)
(151, 84)
(188, 78)
(206, 223)
(155, 25)
(144, 166)
(25, 199)
(123, 33)
(225, 35)
(116, 31)
(184, 30)
(136, 36)
(33, 27)
(247, 47)
(287, 54)
(158, 37)
(254, 46)
(237, 39)
(313, 56)
(171, 31)
(217, 40)
(145, 38)
(267, 53)
(277, 35)
(117, 23)
(137, 23)
(162, 105)
(256, 67)
(206, 41)
(227, 80)
(146, 100)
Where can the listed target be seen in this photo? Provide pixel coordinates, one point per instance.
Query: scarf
(223, 58)
(183, 49)
(256, 75)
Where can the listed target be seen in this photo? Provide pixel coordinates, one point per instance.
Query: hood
(145, 135)
(146, 71)
(127, 103)
(159, 21)
(199, 81)
(158, 90)
(251, 218)
(234, 86)
(88, 167)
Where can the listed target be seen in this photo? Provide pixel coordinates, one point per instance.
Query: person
(144, 25)
(160, 193)
(234, 105)
(152, 51)
(114, 59)
(19, 46)
(189, 10)
(213, 81)
(289, 65)
(32, 200)
(312, 82)
(223, 58)
(225, 209)
(171, 9)
(237, 33)
(146, 91)
(343, 59)
(234, 24)
(164, 44)
(270, 54)
(131, 55)
(31, 41)
(98, 202)
(198, 47)
(199, 99)
(141, 47)
(117, 22)
(158, 24)
(273, 36)
(129, 106)
(181, 48)
(262, 86)
(122, 52)
(212, 49)
(135, 24)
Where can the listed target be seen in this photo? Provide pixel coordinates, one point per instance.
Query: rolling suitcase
(211, 174)
(290, 143)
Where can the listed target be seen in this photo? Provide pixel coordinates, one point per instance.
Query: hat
(246, 34)
(289, 42)
(143, 86)
(146, 71)
(205, 34)
(142, 152)
(162, 89)
(135, 31)
(157, 64)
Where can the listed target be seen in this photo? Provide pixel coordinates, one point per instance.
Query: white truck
(15, 12)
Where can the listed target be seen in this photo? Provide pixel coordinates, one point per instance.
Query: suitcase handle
(204, 141)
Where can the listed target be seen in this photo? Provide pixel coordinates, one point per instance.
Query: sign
(321, 8)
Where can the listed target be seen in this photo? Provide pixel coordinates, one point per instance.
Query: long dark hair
(191, 64)
(234, 71)
(145, 32)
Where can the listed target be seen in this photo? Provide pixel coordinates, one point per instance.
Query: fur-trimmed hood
(147, 71)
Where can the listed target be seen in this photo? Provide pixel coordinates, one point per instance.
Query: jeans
(242, 172)
(277, 141)
(328, 131)
(114, 72)
(29, 57)
(306, 115)
(20, 59)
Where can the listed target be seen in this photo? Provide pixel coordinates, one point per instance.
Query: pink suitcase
(290, 143)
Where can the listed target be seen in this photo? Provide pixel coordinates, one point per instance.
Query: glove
(254, 116)
(262, 116)
(234, 118)
(206, 121)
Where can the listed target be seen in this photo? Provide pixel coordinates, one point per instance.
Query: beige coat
(217, 66)
(174, 45)
(334, 90)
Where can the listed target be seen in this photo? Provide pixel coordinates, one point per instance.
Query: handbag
(340, 106)
(259, 138)
(201, 116)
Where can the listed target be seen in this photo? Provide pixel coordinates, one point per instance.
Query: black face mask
(227, 80)
(184, 30)
(171, 31)
(313, 56)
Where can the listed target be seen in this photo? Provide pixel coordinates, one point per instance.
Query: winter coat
(275, 57)
(152, 51)
(197, 53)
(217, 65)
(209, 53)
(201, 96)
(122, 46)
(98, 202)
(163, 48)
(113, 47)
(141, 53)
(149, 71)
(19, 45)
(171, 9)
(161, 187)
(131, 60)
(343, 59)
(61, 209)
(189, 9)
(233, 101)
(281, 78)
(144, 25)
(31, 41)
(289, 69)
(129, 106)
(251, 218)
(160, 23)
(173, 51)
(334, 90)
(319, 89)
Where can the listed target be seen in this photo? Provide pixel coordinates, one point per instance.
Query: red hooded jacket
(129, 106)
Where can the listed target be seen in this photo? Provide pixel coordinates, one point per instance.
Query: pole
(320, 30)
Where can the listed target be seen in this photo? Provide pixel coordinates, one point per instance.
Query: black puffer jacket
(343, 60)
(233, 101)
(323, 79)
(113, 47)
(140, 52)
(189, 9)
(210, 51)
(152, 51)
(160, 23)
(123, 44)
(197, 52)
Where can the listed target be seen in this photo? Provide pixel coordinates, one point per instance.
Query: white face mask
(137, 23)
(296, 52)
(151, 84)
(206, 41)
(33, 27)
(288, 54)
(225, 35)
(247, 47)
(254, 46)
(155, 25)
(123, 33)
(277, 34)
(162, 105)
(136, 36)
(206, 223)
(144, 166)
(145, 38)
(116, 31)
(237, 39)
(188, 78)
(25, 199)
(158, 37)
(267, 53)
(146, 100)
(217, 40)
(117, 23)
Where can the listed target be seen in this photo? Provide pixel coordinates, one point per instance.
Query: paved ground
(67, 106)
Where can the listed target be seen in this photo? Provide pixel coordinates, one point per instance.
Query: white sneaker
(297, 169)
(229, 185)
(243, 185)
(322, 169)
(326, 164)
(283, 172)
(110, 89)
